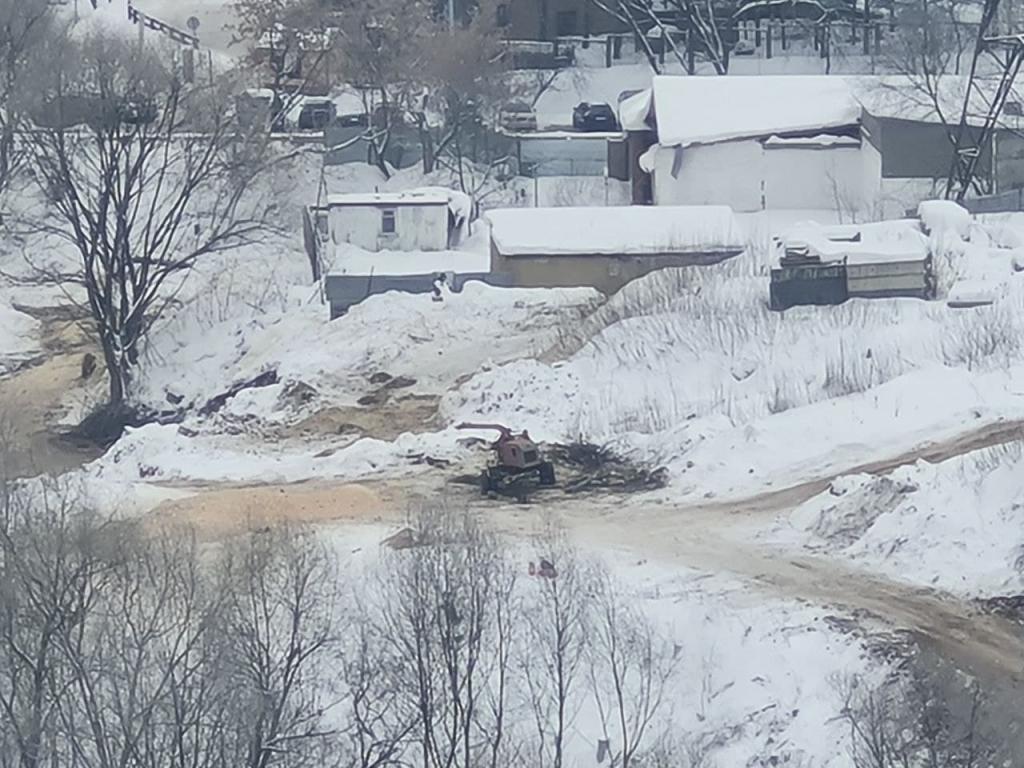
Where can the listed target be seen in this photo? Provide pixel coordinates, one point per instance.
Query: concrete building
(365, 244)
(605, 248)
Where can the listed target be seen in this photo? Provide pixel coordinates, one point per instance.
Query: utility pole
(451, 14)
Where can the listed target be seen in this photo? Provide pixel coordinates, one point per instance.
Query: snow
(944, 216)
(408, 197)
(635, 112)
(883, 242)
(615, 230)
(755, 681)
(19, 336)
(971, 293)
(821, 140)
(956, 525)
(401, 334)
(689, 370)
(701, 110)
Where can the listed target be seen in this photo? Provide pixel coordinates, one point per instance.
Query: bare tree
(630, 668)
(447, 610)
(52, 559)
(290, 42)
(380, 48)
(700, 20)
(151, 180)
(907, 722)
(381, 716)
(142, 676)
(279, 622)
(26, 26)
(556, 637)
(463, 81)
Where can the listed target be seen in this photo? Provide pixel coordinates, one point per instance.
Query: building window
(565, 23)
(387, 221)
(502, 19)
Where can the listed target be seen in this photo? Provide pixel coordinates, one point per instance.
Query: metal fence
(1004, 202)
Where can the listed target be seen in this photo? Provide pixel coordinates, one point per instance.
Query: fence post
(768, 40)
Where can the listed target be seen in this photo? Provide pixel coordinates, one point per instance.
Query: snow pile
(864, 243)
(944, 216)
(158, 453)
(956, 525)
(635, 112)
(630, 230)
(401, 334)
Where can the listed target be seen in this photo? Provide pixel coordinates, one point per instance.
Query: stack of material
(828, 265)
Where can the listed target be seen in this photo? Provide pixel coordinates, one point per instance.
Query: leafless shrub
(631, 668)
(552, 657)
(907, 722)
(447, 608)
(984, 335)
(281, 588)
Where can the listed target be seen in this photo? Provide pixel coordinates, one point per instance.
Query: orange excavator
(516, 465)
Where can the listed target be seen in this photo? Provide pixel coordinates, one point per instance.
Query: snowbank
(19, 336)
(434, 343)
(957, 525)
(944, 216)
(157, 453)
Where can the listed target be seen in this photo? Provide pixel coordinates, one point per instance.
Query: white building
(756, 143)
(865, 146)
(390, 221)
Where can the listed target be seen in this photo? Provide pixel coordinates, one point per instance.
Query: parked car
(256, 107)
(743, 48)
(137, 110)
(317, 115)
(594, 117)
(517, 117)
(354, 120)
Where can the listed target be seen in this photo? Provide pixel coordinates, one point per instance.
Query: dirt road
(717, 538)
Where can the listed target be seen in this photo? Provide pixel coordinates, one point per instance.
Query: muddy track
(31, 400)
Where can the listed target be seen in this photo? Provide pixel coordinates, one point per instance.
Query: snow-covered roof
(878, 243)
(702, 110)
(624, 230)
(411, 197)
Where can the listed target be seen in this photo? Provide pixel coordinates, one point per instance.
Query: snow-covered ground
(955, 525)
(19, 335)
